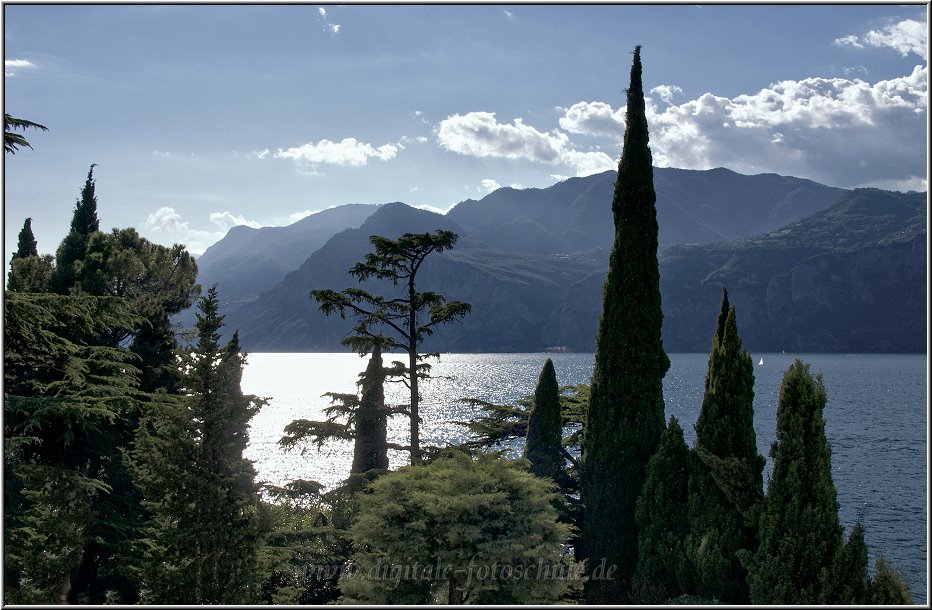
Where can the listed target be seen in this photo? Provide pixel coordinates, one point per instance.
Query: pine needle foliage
(799, 529)
(723, 508)
(626, 409)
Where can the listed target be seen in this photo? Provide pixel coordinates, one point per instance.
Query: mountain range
(809, 267)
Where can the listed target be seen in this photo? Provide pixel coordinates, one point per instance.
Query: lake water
(876, 421)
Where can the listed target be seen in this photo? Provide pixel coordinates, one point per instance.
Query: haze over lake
(876, 422)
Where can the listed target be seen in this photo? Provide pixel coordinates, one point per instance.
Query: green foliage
(305, 552)
(626, 410)
(84, 221)
(726, 483)
(663, 571)
(799, 529)
(544, 448)
(848, 582)
(458, 529)
(889, 586)
(65, 398)
(26, 242)
(206, 523)
(31, 274)
(13, 141)
(399, 261)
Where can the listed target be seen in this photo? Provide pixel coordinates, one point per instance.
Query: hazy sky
(204, 117)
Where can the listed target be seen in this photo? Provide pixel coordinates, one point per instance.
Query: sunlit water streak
(876, 421)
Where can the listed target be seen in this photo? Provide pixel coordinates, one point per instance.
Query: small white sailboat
(761, 363)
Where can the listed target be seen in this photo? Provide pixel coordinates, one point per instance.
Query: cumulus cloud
(167, 225)
(489, 185)
(904, 37)
(11, 67)
(228, 220)
(844, 132)
(666, 92)
(479, 134)
(348, 152)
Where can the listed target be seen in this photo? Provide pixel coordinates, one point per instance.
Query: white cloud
(333, 28)
(348, 152)
(905, 37)
(261, 154)
(593, 119)
(322, 11)
(11, 67)
(666, 92)
(509, 14)
(489, 185)
(479, 134)
(227, 220)
(296, 216)
(325, 25)
(169, 226)
(844, 132)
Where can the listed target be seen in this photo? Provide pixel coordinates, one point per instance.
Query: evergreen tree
(626, 410)
(544, 445)
(12, 141)
(399, 261)
(31, 274)
(849, 583)
(720, 527)
(26, 244)
(64, 395)
(206, 521)
(84, 221)
(458, 529)
(888, 587)
(663, 571)
(799, 530)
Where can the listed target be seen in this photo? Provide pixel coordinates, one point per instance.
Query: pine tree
(544, 445)
(207, 523)
(84, 221)
(720, 527)
(663, 571)
(26, 244)
(799, 529)
(399, 261)
(626, 410)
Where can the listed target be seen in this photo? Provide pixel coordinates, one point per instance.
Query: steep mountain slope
(849, 278)
(693, 207)
(247, 261)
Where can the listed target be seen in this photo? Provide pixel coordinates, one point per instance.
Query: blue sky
(204, 117)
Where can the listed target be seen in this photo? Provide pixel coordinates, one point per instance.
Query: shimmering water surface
(876, 421)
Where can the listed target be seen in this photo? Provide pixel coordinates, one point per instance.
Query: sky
(203, 117)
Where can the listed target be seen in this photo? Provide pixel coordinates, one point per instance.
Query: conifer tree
(663, 571)
(84, 221)
(720, 527)
(799, 529)
(207, 523)
(626, 410)
(544, 445)
(26, 244)
(371, 449)
(398, 322)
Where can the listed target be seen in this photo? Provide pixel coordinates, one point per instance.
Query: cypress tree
(544, 445)
(663, 571)
(370, 450)
(720, 527)
(27, 244)
(799, 529)
(73, 248)
(626, 411)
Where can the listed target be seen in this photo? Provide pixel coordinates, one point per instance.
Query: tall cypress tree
(663, 571)
(723, 517)
(799, 530)
(626, 410)
(544, 445)
(27, 244)
(370, 451)
(84, 221)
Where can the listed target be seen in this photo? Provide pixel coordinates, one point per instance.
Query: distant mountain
(693, 207)
(850, 277)
(248, 261)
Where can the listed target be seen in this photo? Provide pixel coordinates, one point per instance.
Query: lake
(876, 421)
